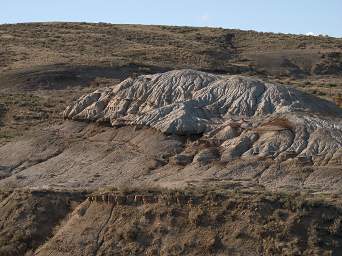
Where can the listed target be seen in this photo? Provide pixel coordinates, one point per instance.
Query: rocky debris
(227, 132)
(207, 155)
(244, 117)
(181, 159)
(236, 147)
(140, 199)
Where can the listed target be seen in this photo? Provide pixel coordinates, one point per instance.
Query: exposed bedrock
(241, 116)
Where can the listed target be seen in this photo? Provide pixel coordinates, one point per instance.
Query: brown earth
(28, 218)
(218, 220)
(46, 66)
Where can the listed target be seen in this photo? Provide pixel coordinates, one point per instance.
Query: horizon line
(171, 25)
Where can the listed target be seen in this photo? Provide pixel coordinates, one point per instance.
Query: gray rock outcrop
(245, 117)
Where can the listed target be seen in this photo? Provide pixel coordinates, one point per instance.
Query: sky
(284, 16)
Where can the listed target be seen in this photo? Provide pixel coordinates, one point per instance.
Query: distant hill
(213, 49)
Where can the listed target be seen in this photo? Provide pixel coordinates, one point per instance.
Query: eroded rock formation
(240, 116)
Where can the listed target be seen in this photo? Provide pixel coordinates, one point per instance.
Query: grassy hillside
(225, 50)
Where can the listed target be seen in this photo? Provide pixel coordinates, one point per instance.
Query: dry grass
(221, 222)
(25, 45)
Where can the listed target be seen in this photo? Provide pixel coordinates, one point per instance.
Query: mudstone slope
(243, 117)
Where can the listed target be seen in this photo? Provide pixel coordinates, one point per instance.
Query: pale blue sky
(286, 16)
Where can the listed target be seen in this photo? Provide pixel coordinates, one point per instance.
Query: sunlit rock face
(243, 117)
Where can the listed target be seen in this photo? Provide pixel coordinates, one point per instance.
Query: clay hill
(155, 140)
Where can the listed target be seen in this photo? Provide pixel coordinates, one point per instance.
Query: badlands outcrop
(238, 117)
(184, 127)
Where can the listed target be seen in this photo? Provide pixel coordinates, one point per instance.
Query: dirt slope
(28, 218)
(193, 223)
